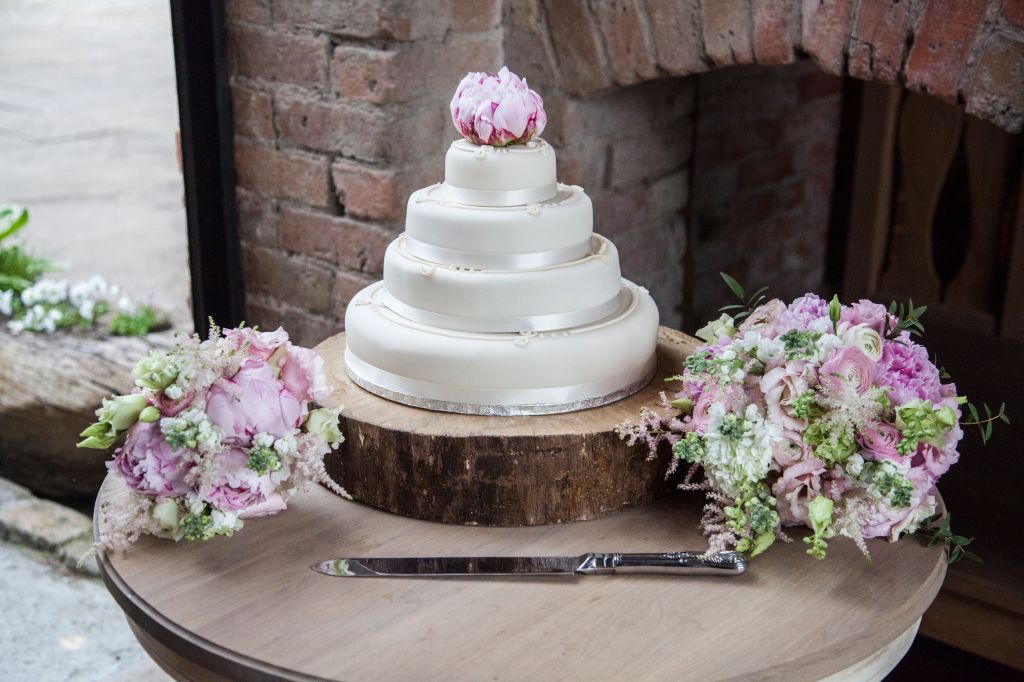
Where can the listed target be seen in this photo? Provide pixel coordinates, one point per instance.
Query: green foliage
(908, 319)
(805, 406)
(833, 443)
(263, 459)
(799, 345)
(197, 526)
(956, 544)
(689, 448)
(141, 323)
(18, 269)
(985, 425)
(747, 304)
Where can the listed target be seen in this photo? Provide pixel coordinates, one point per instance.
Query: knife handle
(672, 563)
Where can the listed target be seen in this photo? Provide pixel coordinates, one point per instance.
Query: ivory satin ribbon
(528, 323)
(496, 261)
(495, 401)
(500, 197)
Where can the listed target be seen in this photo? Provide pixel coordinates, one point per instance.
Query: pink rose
(147, 463)
(865, 312)
(848, 366)
(236, 487)
(879, 441)
(790, 449)
(701, 416)
(257, 344)
(498, 109)
(764, 319)
(303, 373)
(253, 401)
(781, 387)
(798, 485)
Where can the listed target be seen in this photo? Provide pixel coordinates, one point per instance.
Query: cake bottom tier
(501, 373)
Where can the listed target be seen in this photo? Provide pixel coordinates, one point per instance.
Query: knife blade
(594, 563)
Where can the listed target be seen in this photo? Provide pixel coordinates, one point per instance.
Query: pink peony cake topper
(497, 109)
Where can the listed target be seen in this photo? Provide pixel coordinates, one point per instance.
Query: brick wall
(340, 111)
(763, 167)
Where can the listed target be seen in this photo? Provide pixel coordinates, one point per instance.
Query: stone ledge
(63, 534)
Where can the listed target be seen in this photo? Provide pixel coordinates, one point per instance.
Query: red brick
(586, 166)
(278, 56)
(669, 195)
(640, 159)
(262, 312)
(616, 211)
(346, 285)
(367, 74)
(308, 330)
(469, 16)
(825, 33)
(368, 192)
(625, 39)
(333, 126)
(577, 43)
(252, 113)
(251, 11)
(257, 218)
(776, 30)
(298, 281)
(878, 40)
(727, 32)
(349, 18)
(996, 91)
(1013, 12)
(526, 53)
(526, 15)
(287, 175)
(336, 239)
(676, 35)
(941, 46)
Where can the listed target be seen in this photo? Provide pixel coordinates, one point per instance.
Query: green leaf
(974, 412)
(12, 219)
(733, 285)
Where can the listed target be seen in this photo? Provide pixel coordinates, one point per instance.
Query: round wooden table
(249, 607)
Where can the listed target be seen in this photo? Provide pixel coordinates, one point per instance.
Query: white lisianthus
(738, 450)
(166, 515)
(121, 411)
(863, 337)
(723, 326)
(323, 422)
(762, 348)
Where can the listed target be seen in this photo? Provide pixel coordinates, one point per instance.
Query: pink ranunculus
(236, 487)
(781, 386)
(172, 408)
(798, 485)
(847, 366)
(908, 373)
(253, 401)
(879, 441)
(935, 461)
(701, 416)
(791, 449)
(497, 109)
(303, 373)
(148, 464)
(867, 313)
(764, 319)
(257, 344)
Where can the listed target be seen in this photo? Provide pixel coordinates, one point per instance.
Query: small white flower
(173, 392)
(285, 446)
(854, 465)
(264, 440)
(6, 302)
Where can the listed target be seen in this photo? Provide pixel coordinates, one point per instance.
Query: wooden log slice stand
(495, 471)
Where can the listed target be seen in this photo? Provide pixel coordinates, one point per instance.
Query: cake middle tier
(531, 299)
(554, 231)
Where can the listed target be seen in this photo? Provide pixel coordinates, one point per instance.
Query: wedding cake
(499, 298)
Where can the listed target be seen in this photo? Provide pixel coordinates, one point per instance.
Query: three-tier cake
(499, 298)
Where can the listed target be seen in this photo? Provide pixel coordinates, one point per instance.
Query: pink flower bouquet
(811, 414)
(497, 109)
(217, 431)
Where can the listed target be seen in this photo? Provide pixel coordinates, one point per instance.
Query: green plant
(18, 269)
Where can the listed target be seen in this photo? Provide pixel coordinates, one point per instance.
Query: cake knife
(673, 563)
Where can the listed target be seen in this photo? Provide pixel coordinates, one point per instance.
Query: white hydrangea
(761, 347)
(738, 450)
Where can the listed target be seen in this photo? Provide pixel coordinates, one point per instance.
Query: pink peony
(867, 313)
(147, 463)
(303, 373)
(802, 313)
(253, 401)
(879, 441)
(257, 344)
(934, 461)
(236, 487)
(791, 449)
(798, 485)
(781, 386)
(498, 109)
(848, 366)
(908, 373)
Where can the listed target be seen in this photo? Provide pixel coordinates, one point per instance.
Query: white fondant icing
(577, 285)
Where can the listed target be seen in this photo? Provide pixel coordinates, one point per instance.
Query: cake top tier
(515, 175)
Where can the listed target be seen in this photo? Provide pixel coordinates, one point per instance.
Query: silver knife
(674, 563)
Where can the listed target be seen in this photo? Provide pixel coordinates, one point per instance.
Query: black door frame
(207, 152)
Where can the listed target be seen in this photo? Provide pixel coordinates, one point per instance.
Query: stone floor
(88, 115)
